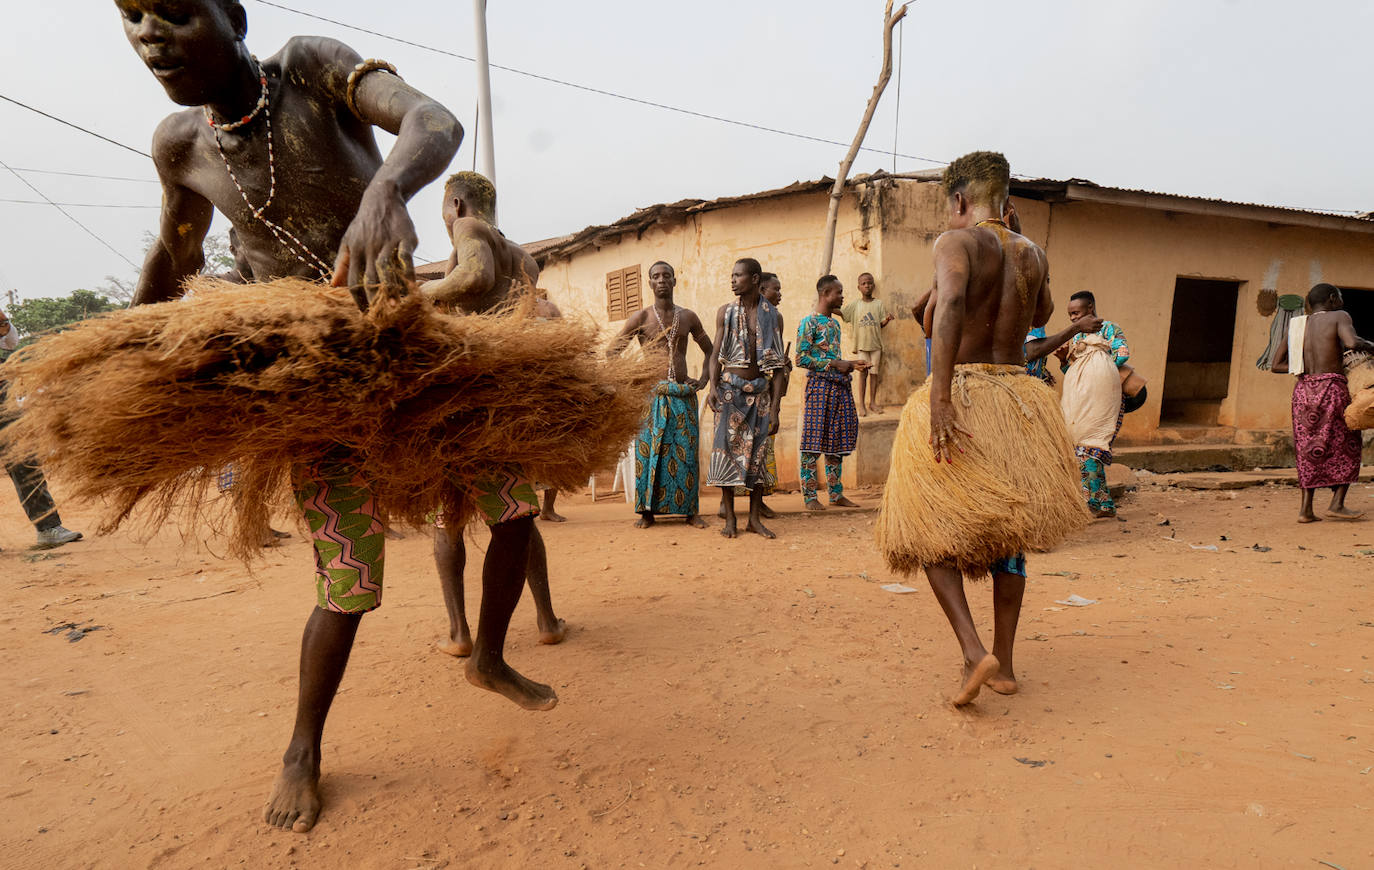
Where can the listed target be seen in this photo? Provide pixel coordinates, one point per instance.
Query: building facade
(1183, 276)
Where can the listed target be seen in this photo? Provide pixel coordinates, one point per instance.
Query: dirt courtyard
(722, 703)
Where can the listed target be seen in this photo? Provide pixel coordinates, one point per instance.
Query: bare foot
(729, 530)
(295, 801)
(502, 679)
(549, 516)
(974, 677)
(1003, 685)
(459, 649)
(1344, 513)
(559, 632)
(814, 505)
(720, 513)
(278, 534)
(759, 528)
(696, 521)
(843, 502)
(766, 512)
(863, 412)
(644, 521)
(1309, 518)
(1104, 515)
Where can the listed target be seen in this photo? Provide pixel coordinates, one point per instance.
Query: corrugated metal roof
(1073, 189)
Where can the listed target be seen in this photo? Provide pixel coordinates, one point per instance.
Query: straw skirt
(1015, 488)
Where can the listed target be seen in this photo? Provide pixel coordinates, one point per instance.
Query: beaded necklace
(288, 240)
(672, 339)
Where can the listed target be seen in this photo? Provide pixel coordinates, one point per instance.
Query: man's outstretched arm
(474, 269)
(427, 137)
(176, 254)
(1349, 340)
(627, 332)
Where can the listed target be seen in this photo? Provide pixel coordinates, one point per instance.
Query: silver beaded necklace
(672, 339)
(285, 237)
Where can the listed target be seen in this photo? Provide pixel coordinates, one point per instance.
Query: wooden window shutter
(633, 302)
(615, 295)
(623, 296)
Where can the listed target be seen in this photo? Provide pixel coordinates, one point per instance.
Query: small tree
(34, 317)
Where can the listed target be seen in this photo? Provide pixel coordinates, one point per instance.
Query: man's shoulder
(174, 138)
(476, 228)
(313, 54)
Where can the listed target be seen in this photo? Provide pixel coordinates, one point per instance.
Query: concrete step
(1165, 458)
(1188, 433)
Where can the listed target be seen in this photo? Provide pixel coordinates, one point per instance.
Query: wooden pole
(890, 20)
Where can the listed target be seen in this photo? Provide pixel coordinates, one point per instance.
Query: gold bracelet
(362, 69)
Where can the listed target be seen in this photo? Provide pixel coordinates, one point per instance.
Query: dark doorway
(1360, 304)
(1197, 372)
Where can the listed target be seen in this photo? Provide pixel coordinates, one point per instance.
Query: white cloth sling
(1297, 335)
(1092, 394)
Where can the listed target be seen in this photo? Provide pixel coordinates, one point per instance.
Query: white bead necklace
(288, 240)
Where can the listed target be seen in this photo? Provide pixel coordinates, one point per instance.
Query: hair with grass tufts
(476, 190)
(982, 177)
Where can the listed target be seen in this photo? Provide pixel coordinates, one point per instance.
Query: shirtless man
(289, 157)
(483, 273)
(990, 290)
(1328, 452)
(666, 457)
(748, 346)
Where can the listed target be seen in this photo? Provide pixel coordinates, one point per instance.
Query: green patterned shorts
(349, 538)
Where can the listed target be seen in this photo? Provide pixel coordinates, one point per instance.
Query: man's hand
(1062, 352)
(713, 398)
(943, 427)
(847, 366)
(775, 418)
(381, 230)
(1088, 324)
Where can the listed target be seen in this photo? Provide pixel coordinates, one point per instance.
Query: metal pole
(485, 145)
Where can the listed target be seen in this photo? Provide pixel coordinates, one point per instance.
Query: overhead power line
(90, 232)
(75, 126)
(76, 204)
(85, 175)
(600, 91)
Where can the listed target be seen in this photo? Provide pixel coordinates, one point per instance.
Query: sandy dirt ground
(722, 703)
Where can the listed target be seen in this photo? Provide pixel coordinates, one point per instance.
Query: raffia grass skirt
(1015, 488)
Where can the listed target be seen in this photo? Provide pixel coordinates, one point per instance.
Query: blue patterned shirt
(818, 342)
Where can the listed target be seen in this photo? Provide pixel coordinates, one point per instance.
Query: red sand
(726, 703)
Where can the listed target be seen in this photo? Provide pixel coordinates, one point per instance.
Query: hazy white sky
(1252, 100)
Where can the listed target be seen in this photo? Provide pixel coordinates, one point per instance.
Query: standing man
(982, 467)
(285, 149)
(667, 476)
(484, 272)
(28, 478)
(1092, 400)
(748, 347)
(772, 292)
(1328, 451)
(829, 424)
(868, 317)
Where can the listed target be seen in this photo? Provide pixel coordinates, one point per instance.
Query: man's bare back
(1326, 342)
(484, 270)
(990, 289)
